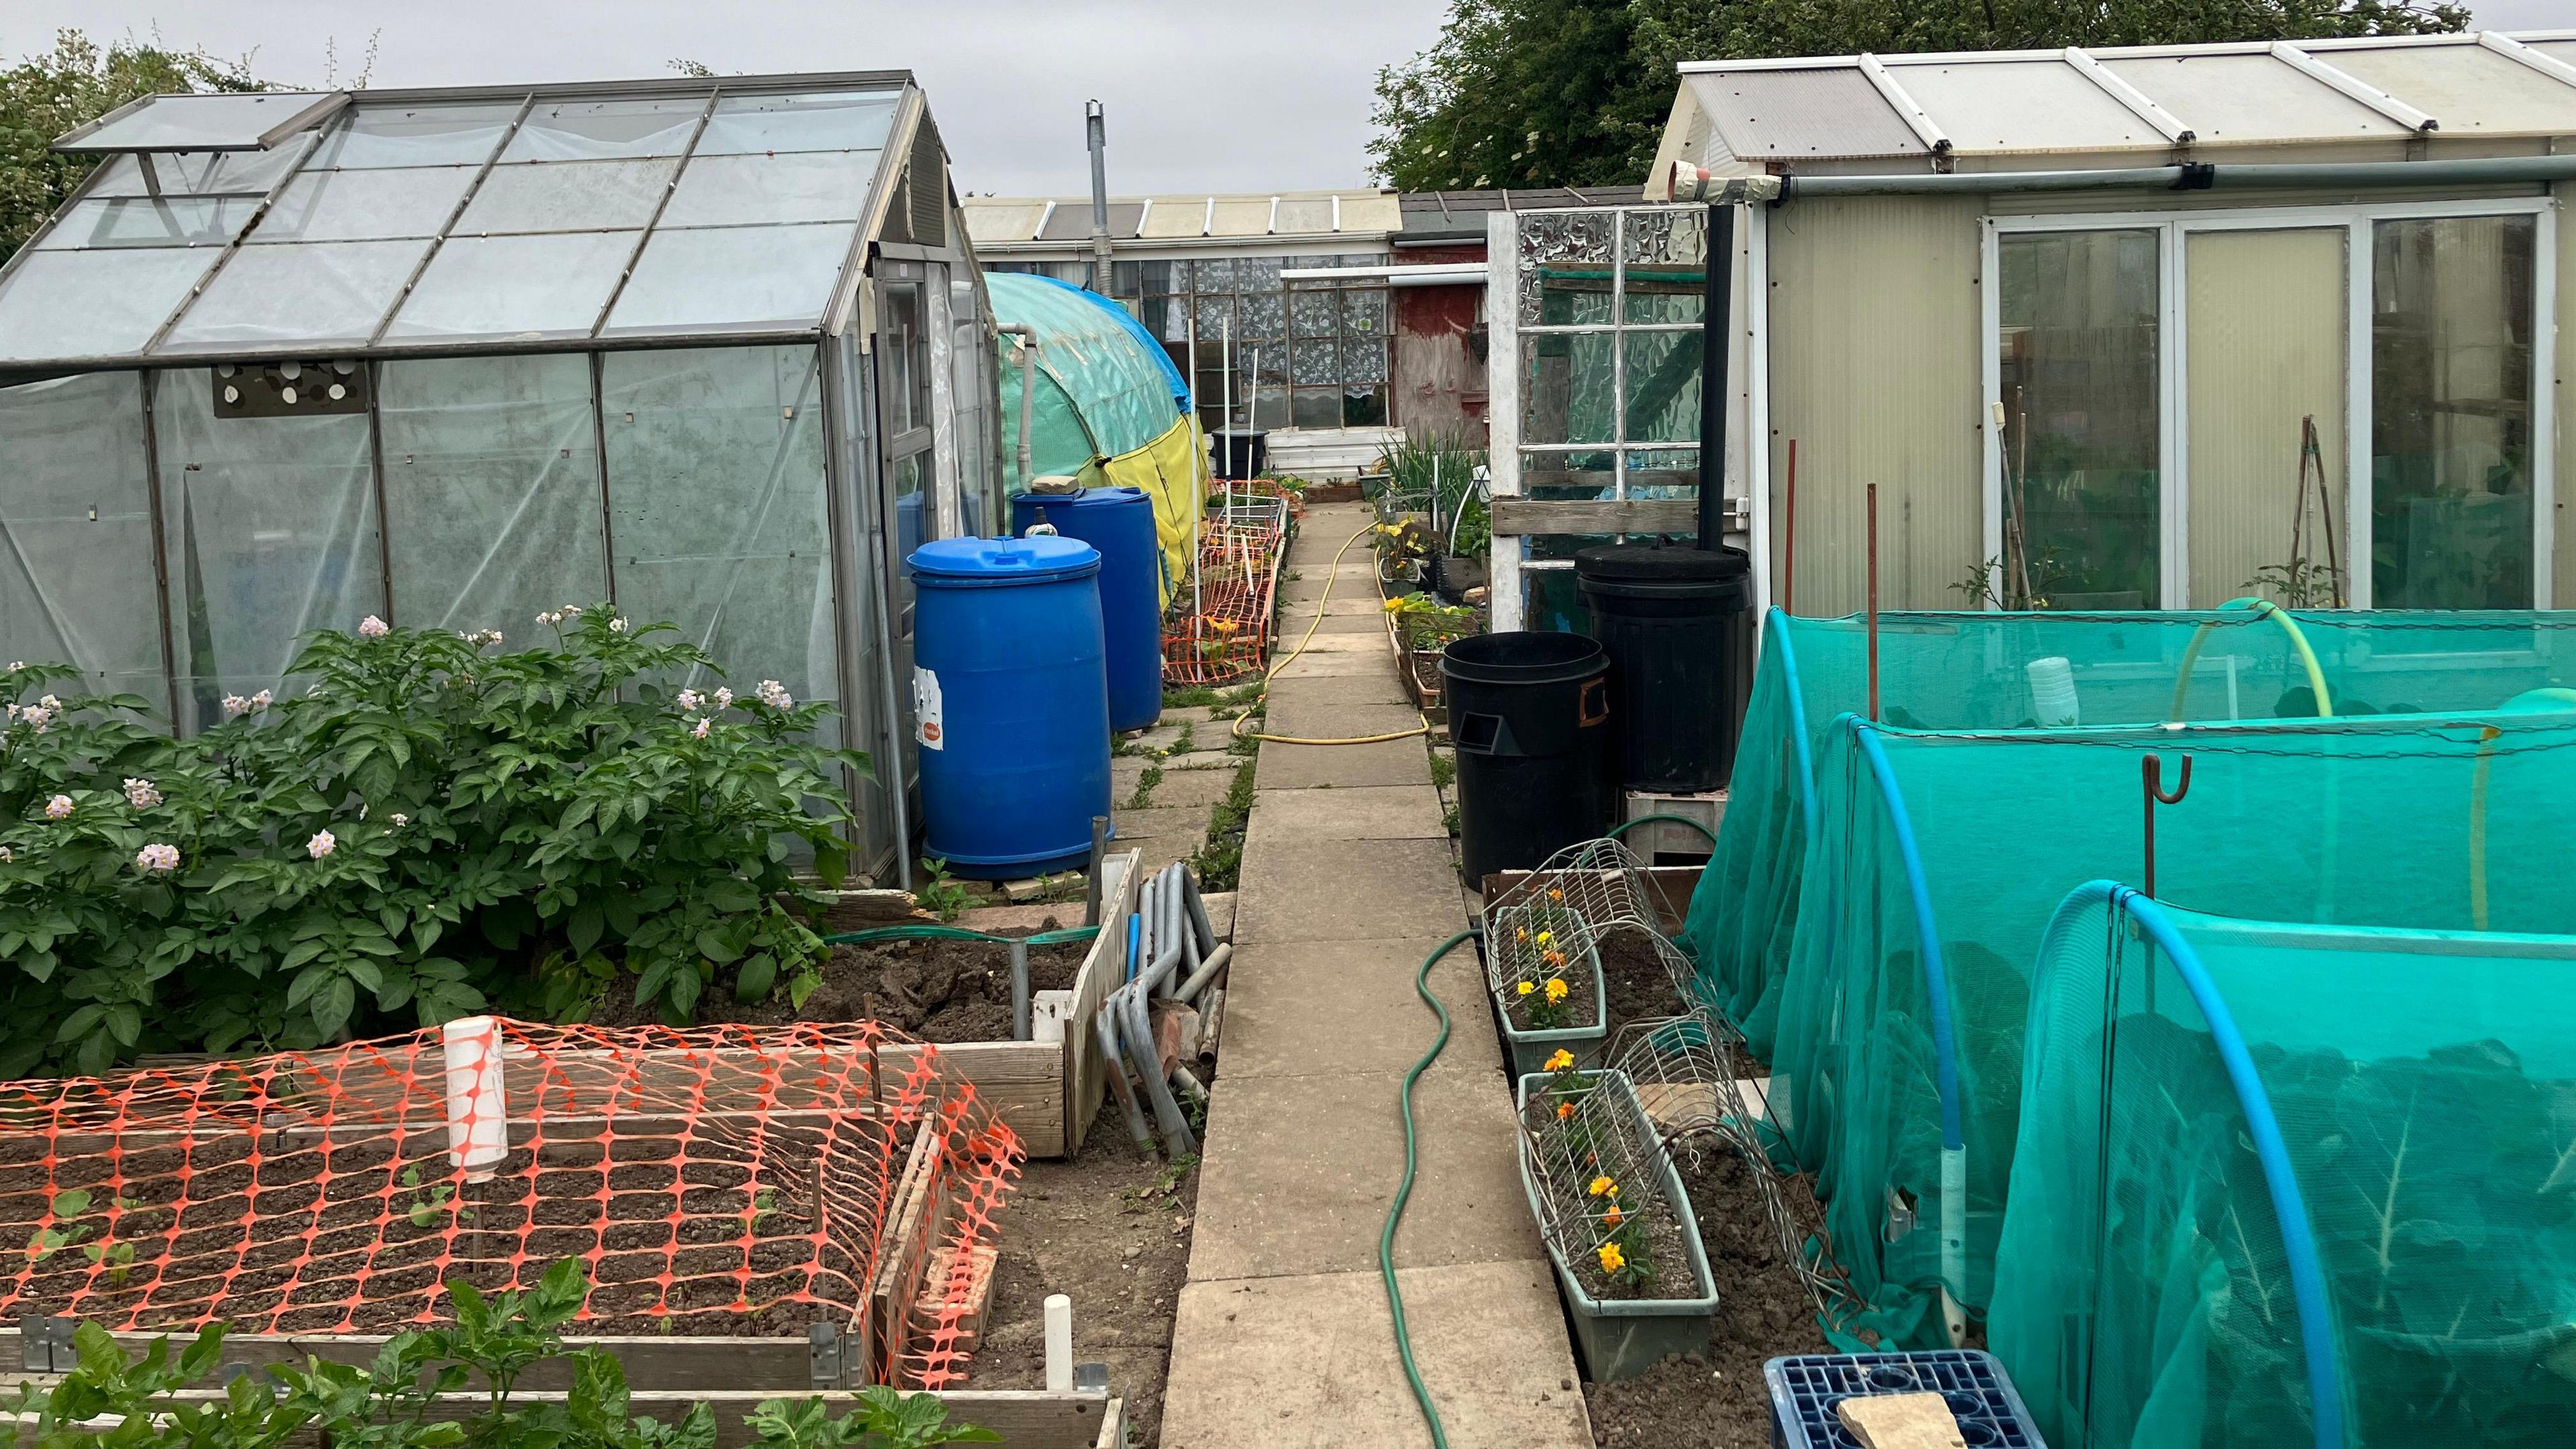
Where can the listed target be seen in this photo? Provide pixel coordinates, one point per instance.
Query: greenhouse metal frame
(712, 349)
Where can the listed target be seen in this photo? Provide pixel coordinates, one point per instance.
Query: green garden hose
(1618, 830)
(1404, 1190)
(927, 932)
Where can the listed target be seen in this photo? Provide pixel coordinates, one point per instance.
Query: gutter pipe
(1028, 336)
(1694, 183)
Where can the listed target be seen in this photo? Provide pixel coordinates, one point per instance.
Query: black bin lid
(1662, 564)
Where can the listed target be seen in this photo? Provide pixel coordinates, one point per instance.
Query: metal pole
(1097, 132)
(1716, 331)
(1019, 991)
(1873, 602)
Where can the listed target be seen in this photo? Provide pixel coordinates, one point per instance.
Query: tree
(1575, 92)
(47, 94)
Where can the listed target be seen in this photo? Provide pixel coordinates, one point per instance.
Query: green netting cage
(1937, 860)
(2007, 671)
(2284, 1184)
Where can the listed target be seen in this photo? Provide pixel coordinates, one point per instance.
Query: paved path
(1283, 1339)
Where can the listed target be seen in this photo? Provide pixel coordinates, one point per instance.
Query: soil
(934, 990)
(1111, 1230)
(1719, 1401)
(1633, 974)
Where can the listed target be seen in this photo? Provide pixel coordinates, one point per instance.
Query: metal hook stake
(2151, 769)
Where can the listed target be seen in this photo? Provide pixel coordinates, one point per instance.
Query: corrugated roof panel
(1010, 221)
(2022, 105)
(1371, 211)
(1792, 115)
(2466, 87)
(2248, 97)
(1072, 221)
(1176, 216)
(1241, 218)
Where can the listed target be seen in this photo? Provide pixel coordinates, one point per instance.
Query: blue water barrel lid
(1087, 498)
(1005, 560)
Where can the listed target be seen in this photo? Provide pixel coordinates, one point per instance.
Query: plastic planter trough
(1981, 1397)
(1531, 1049)
(1623, 1337)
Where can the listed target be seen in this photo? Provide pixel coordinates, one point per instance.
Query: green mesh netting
(1990, 671)
(2260, 1158)
(1937, 860)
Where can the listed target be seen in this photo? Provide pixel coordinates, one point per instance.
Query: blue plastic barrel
(1120, 523)
(1011, 703)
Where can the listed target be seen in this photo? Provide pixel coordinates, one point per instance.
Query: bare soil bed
(1635, 979)
(1111, 1230)
(935, 990)
(1719, 1401)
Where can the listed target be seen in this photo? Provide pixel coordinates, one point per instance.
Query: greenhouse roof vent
(213, 121)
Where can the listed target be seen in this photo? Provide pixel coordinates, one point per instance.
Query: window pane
(2079, 366)
(2450, 423)
(1364, 311)
(1214, 275)
(382, 135)
(807, 186)
(601, 130)
(1257, 274)
(1315, 407)
(749, 276)
(1663, 386)
(176, 221)
(1265, 314)
(755, 124)
(365, 205)
(76, 582)
(1316, 361)
(491, 490)
(1565, 267)
(97, 303)
(1363, 407)
(716, 505)
(332, 292)
(200, 173)
(271, 530)
(1363, 359)
(489, 286)
(575, 196)
(1216, 321)
(1565, 388)
(1311, 313)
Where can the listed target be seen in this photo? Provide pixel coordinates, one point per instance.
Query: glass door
(908, 499)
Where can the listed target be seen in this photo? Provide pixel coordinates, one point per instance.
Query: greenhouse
(1105, 404)
(1899, 1029)
(2272, 1190)
(710, 349)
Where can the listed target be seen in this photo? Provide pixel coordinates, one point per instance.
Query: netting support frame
(2289, 1206)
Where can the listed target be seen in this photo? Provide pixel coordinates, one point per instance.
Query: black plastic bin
(1531, 716)
(1678, 625)
(1239, 453)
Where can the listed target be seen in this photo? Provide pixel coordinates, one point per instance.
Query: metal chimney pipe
(1097, 132)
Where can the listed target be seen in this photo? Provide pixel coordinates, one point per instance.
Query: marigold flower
(58, 808)
(1613, 1217)
(157, 859)
(1394, 604)
(1555, 895)
(1546, 936)
(1564, 1110)
(1526, 987)
(1223, 626)
(1612, 1260)
(141, 795)
(322, 844)
(1557, 990)
(1603, 1187)
(372, 627)
(1560, 1061)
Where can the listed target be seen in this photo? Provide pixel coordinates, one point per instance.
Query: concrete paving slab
(1216, 757)
(1282, 999)
(1364, 812)
(1159, 820)
(1331, 664)
(1314, 1201)
(1177, 787)
(1309, 1363)
(1343, 603)
(1297, 767)
(1379, 688)
(1349, 890)
(1297, 711)
(1324, 643)
(1353, 623)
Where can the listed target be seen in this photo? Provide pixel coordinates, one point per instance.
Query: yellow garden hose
(1244, 718)
(2263, 608)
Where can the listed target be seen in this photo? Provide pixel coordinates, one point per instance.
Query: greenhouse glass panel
(193, 173)
(171, 221)
(380, 136)
(754, 125)
(492, 498)
(515, 285)
(77, 518)
(104, 303)
(606, 130)
(717, 508)
(270, 527)
(365, 205)
(326, 293)
(803, 186)
(742, 276)
(567, 196)
(223, 120)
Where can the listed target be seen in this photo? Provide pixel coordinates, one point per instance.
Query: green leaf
(332, 1003)
(757, 976)
(582, 930)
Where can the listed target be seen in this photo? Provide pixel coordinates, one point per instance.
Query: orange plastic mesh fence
(722, 1180)
(1229, 636)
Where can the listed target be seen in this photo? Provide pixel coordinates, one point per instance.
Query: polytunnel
(711, 349)
(1107, 406)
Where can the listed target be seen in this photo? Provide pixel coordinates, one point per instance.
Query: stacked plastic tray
(1805, 1389)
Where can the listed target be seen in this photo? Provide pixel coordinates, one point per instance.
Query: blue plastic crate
(1805, 1389)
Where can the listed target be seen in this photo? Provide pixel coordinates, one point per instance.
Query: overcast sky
(1203, 95)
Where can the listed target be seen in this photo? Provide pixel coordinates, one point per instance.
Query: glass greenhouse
(711, 348)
